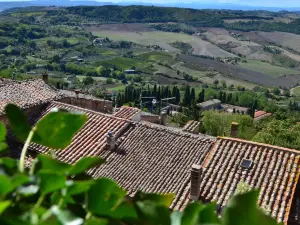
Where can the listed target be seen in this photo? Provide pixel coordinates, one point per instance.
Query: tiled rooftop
(90, 140)
(69, 93)
(154, 158)
(26, 93)
(192, 126)
(261, 114)
(275, 171)
(127, 112)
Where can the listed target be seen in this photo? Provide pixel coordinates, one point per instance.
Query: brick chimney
(163, 118)
(234, 129)
(196, 174)
(45, 77)
(111, 140)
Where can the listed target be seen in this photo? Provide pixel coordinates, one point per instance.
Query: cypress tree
(203, 95)
(154, 90)
(177, 96)
(187, 97)
(193, 95)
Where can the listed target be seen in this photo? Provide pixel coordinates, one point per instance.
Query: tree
(88, 81)
(187, 96)
(218, 124)
(276, 91)
(201, 96)
(193, 95)
(100, 70)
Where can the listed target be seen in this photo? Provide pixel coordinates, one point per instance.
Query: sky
(265, 3)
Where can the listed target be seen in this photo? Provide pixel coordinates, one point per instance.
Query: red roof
(274, 171)
(259, 113)
(26, 93)
(90, 140)
(127, 112)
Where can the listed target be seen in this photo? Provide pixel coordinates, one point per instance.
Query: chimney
(196, 173)
(45, 77)
(111, 140)
(163, 118)
(234, 129)
(77, 93)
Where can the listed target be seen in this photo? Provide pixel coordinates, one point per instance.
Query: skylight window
(246, 163)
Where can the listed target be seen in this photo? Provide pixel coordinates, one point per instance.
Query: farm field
(267, 68)
(228, 80)
(287, 53)
(162, 39)
(240, 73)
(288, 40)
(222, 37)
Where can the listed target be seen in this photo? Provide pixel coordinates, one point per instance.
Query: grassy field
(194, 73)
(295, 91)
(278, 38)
(158, 57)
(267, 68)
(95, 78)
(224, 39)
(127, 63)
(163, 39)
(28, 14)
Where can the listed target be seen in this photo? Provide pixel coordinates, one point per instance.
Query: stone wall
(91, 104)
(151, 119)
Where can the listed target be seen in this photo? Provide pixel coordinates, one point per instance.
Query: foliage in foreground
(52, 192)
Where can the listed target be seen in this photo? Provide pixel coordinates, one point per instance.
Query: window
(246, 163)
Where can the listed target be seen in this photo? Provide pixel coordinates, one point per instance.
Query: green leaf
(19, 179)
(8, 162)
(57, 129)
(208, 215)
(242, 210)
(2, 132)
(191, 213)
(151, 213)
(17, 121)
(124, 211)
(64, 217)
(165, 200)
(86, 163)
(96, 221)
(104, 197)
(3, 146)
(4, 205)
(50, 164)
(79, 187)
(5, 185)
(50, 181)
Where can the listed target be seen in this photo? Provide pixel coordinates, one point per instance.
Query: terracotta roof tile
(154, 158)
(90, 140)
(192, 126)
(26, 93)
(127, 112)
(275, 172)
(259, 113)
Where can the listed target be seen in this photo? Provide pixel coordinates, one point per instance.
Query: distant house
(211, 104)
(261, 114)
(98, 41)
(131, 71)
(232, 108)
